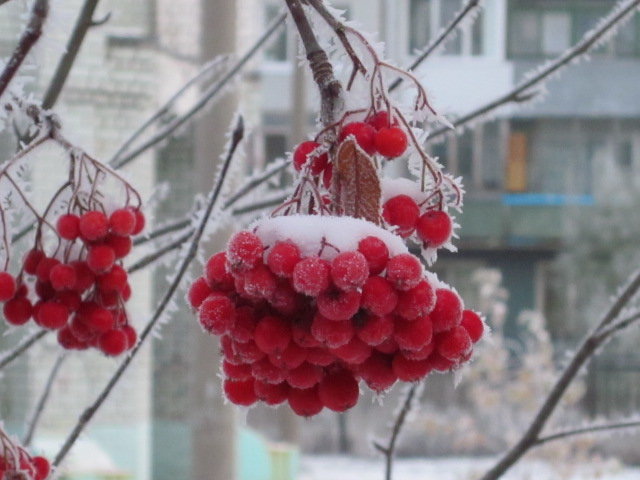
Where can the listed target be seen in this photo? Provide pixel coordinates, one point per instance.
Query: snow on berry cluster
(80, 288)
(16, 463)
(309, 308)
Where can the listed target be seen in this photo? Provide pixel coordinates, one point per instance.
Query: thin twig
(30, 36)
(444, 34)
(42, 401)
(208, 94)
(586, 430)
(83, 24)
(619, 325)
(270, 171)
(160, 252)
(22, 347)
(521, 92)
(253, 207)
(90, 411)
(161, 231)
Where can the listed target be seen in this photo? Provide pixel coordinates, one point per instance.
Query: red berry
(44, 268)
(244, 326)
(140, 221)
(349, 270)
(240, 392)
(113, 342)
(42, 467)
(259, 282)
(282, 258)
(7, 286)
(448, 310)
(416, 302)
(388, 346)
(439, 363)
(216, 314)
(364, 134)
(249, 352)
(271, 394)
(378, 296)
(311, 276)
(454, 344)
(410, 370)
(62, 277)
(67, 340)
(17, 311)
(122, 222)
(244, 251)
(132, 336)
(413, 335)
(338, 305)
(100, 258)
(266, 371)
(84, 276)
(236, 372)
(216, 272)
(292, 357)
(272, 335)
(198, 291)
(379, 120)
(303, 337)
(44, 290)
(94, 225)
(305, 376)
(404, 271)
(52, 315)
(99, 320)
(121, 245)
(377, 372)
(375, 329)
(473, 324)
(320, 356)
(285, 299)
(68, 226)
(331, 333)
(434, 228)
(303, 152)
(421, 354)
(353, 353)
(114, 280)
(305, 403)
(391, 141)
(401, 211)
(339, 391)
(31, 261)
(376, 253)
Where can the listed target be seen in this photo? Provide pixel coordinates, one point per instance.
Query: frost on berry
(378, 296)
(454, 344)
(216, 314)
(376, 252)
(410, 370)
(338, 305)
(416, 302)
(374, 329)
(271, 394)
(412, 335)
(305, 376)
(330, 332)
(244, 251)
(282, 258)
(266, 371)
(93, 225)
(349, 270)
(311, 276)
(447, 312)
(404, 271)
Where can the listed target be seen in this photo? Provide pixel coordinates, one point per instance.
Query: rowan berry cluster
(16, 463)
(308, 328)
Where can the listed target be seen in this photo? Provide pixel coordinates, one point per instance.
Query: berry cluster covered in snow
(306, 321)
(16, 463)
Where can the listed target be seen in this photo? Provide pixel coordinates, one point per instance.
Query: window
(419, 24)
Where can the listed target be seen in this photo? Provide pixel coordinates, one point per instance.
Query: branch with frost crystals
(29, 37)
(22, 347)
(521, 93)
(444, 34)
(607, 427)
(161, 231)
(123, 159)
(83, 24)
(160, 252)
(90, 411)
(587, 349)
(42, 401)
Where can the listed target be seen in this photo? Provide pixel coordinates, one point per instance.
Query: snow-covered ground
(459, 468)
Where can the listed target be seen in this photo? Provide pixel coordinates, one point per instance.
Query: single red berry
(126, 292)
(31, 261)
(259, 282)
(410, 370)
(377, 372)
(375, 329)
(244, 251)
(376, 253)
(122, 222)
(416, 302)
(305, 376)
(421, 354)
(216, 314)
(285, 299)
(113, 342)
(401, 211)
(198, 291)
(330, 332)
(320, 356)
(52, 315)
(17, 311)
(62, 277)
(305, 403)
(132, 336)
(67, 340)
(282, 258)
(216, 273)
(68, 226)
(94, 225)
(473, 324)
(353, 353)
(303, 153)
(339, 391)
(7, 286)
(349, 270)
(378, 296)
(413, 335)
(240, 392)
(236, 372)
(44, 290)
(439, 363)
(388, 346)
(364, 134)
(338, 305)
(311, 276)
(272, 335)
(391, 141)
(303, 337)
(271, 394)
(114, 280)
(266, 371)
(100, 258)
(140, 221)
(121, 245)
(448, 310)
(249, 352)
(42, 467)
(100, 320)
(85, 278)
(454, 344)
(404, 271)
(434, 228)
(244, 326)
(44, 268)
(292, 357)
(379, 120)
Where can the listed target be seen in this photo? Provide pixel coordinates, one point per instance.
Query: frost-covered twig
(273, 169)
(586, 430)
(160, 252)
(22, 347)
(181, 270)
(253, 207)
(42, 401)
(29, 37)
(83, 24)
(587, 349)
(209, 94)
(165, 229)
(523, 91)
(444, 34)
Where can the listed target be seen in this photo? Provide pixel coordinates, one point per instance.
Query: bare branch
(619, 325)
(101, 21)
(90, 411)
(22, 347)
(523, 90)
(444, 34)
(42, 401)
(29, 37)
(585, 430)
